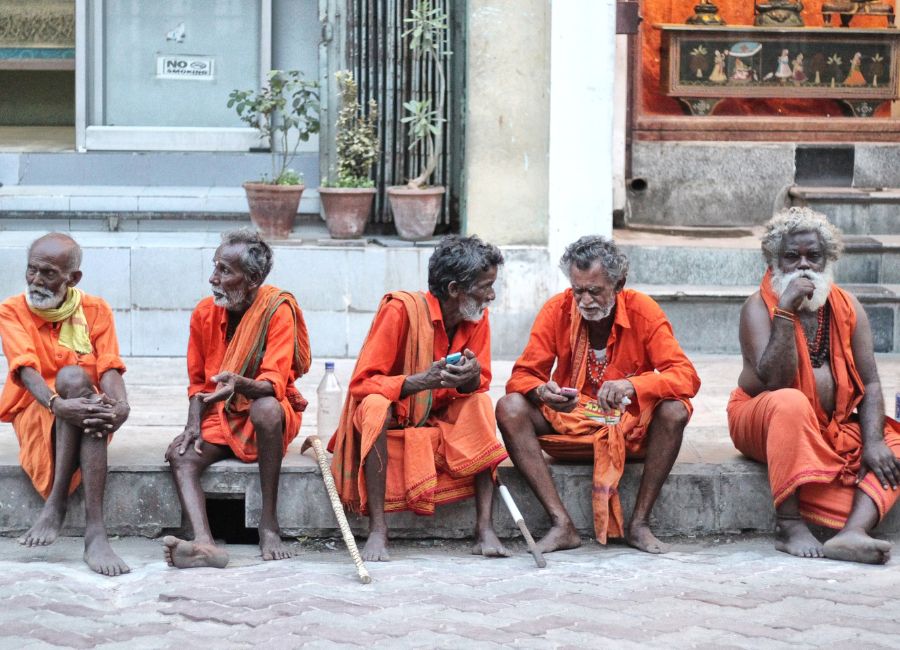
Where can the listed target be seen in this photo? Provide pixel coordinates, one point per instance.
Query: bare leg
(98, 554)
(486, 541)
(792, 535)
(520, 423)
(375, 469)
(187, 469)
(853, 543)
(71, 381)
(268, 421)
(663, 443)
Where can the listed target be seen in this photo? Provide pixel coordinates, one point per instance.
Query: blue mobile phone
(453, 358)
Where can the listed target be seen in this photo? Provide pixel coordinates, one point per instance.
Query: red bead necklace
(596, 368)
(818, 349)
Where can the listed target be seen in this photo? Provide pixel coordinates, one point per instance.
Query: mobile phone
(565, 391)
(453, 358)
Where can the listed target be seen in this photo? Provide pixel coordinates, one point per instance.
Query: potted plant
(347, 201)
(285, 112)
(416, 205)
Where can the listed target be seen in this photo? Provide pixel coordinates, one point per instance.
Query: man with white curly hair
(809, 400)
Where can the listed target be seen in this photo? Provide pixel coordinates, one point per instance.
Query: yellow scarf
(73, 333)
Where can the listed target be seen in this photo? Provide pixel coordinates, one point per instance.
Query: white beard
(605, 310)
(822, 281)
(470, 309)
(41, 298)
(226, 300)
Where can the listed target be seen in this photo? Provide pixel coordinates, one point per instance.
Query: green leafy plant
(285, 112)
(427, 34)
(357, 136)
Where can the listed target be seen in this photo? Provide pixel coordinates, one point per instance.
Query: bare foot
(559, 538)
(271, 545)
(182, 554)
(98, 555)
(488, 544)
(793, 536)
(640, 536)
(375, 549)
(857, 546)
(46, 529)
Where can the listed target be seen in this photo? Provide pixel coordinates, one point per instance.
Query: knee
(266, 416)
(790, 400)
(673, 413)
(73, 381)
(512, 410)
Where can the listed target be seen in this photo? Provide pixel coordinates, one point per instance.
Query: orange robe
(30, 341)
(642, 349)
(443, 438)
(270, 344)
(808, 451)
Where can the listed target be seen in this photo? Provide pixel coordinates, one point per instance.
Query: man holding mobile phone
(418, 427)
(614, 350)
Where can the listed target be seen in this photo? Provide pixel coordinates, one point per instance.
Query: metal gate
(383, 65)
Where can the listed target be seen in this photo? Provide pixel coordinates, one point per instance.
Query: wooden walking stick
(520, 522)
(336, 506)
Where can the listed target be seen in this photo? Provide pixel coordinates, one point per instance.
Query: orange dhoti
(34, 429)
(780, 428)
(582, 439)
(238, 433)
(431, 464)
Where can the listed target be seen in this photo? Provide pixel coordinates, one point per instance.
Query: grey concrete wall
(153, 286)
(508, 120)
(709, 184)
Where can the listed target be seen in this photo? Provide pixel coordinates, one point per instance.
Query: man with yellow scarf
(64, 393)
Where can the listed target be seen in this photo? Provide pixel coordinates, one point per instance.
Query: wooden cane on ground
(346, 533)
(520, 522)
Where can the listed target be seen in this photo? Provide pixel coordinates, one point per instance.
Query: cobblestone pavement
(708, 593)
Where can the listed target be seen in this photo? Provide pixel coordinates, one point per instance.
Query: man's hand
(87, 413)
(229, 383)
(878, 458)
(612, 393)
(190, 436)
(462, 373)
(120, 410)
(550, 395)
(797, 289)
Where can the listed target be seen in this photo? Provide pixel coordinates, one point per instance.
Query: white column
(582, 74)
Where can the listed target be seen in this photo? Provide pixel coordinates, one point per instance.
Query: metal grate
(384, 67)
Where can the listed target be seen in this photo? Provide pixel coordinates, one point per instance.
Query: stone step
(130, 207)
(857, 210)
(657, 258)
(705, 318)
(711, 489)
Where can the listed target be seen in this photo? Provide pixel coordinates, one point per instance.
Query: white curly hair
(793, 220)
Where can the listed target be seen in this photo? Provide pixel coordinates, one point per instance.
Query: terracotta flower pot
(346, 210)
(415, 211)
(273, 208)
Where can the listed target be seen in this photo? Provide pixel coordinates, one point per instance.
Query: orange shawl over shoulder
(414, 411)
(848, 387)
(243, 356)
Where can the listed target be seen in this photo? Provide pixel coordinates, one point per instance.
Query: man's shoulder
(89, 301)
(14, 303)
(205, 305)
(641, 305)
(561, 301)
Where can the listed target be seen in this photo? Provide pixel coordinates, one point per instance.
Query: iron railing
(386, 72)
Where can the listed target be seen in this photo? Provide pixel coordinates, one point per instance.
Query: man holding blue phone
(418, 427)
(621, 387)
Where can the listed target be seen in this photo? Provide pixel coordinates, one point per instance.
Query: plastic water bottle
(330, 401)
